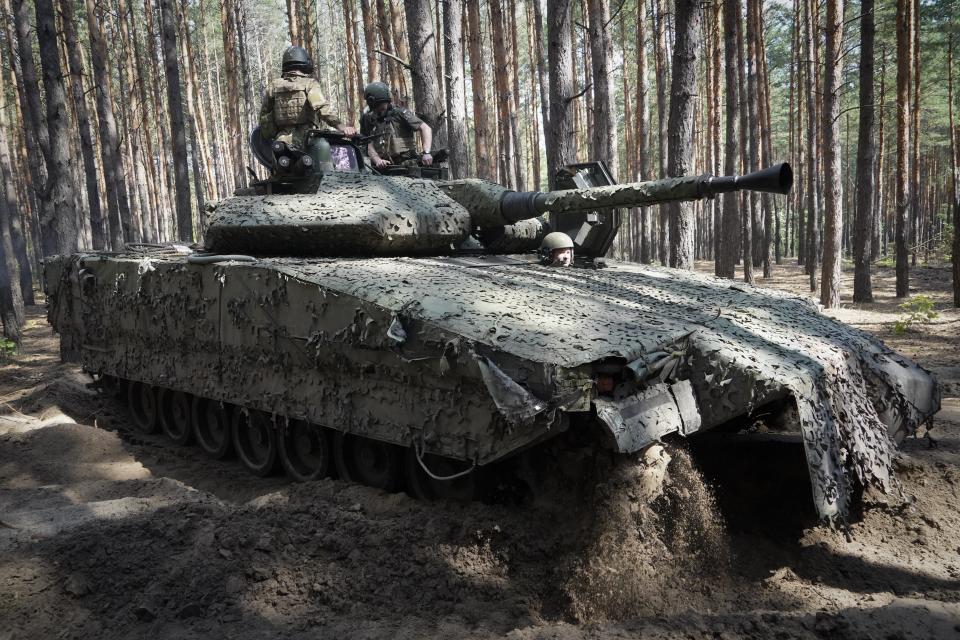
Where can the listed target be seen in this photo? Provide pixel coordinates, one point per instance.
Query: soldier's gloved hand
(427, 159)
(380, 162)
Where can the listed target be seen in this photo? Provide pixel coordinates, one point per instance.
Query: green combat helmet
(376, 93)
(296, 58)
(557, 249)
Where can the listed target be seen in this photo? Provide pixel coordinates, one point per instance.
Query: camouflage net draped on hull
(739, 346)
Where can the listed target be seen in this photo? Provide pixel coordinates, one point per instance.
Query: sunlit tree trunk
(486, 164)
(683, 92)
(833, 197)
(453, 58)
(904, 22)
(604, 133)
(862, 236)
(59, 232)
(175, 107)
(562, 149)
(645, 159)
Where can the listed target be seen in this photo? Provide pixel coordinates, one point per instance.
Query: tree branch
(585, 89)
(390, 56)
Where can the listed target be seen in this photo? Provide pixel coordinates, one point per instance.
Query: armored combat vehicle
(402, 332)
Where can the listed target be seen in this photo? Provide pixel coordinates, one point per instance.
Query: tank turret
(357, 213)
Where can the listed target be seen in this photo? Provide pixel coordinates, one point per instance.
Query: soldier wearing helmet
(294, 104)
(395, 128)
(556, 250)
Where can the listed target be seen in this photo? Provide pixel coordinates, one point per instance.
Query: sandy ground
(108, 533)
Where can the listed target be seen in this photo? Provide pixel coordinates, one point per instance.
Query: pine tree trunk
(833, 198)
(501, 76)
(730, 225)
(683, 93)
(59, 232)
(658, 10)
(542, 78)
(423, 62)
(954, 200)
(645, 160)
(915, 227)
(753, 136)
(234, 134)
(746, 222)
(11, 267)
(83, 124)
(862, 236)
(518, 166)
(370, 39)
(813, 156)
(562, 150)
(604, 131)
(878, 219)
(456, 102)
(904, 22)
(293, 22)
(486, 164)
(175, 108)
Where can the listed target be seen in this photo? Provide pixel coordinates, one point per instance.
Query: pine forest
(120, 120)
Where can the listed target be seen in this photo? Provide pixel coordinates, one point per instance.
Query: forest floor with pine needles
(108, 533)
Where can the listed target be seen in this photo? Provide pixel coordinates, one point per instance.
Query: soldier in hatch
(294, 104)
(556, 250)
(395, 128)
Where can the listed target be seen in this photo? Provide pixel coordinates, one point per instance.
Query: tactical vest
(290, 104)
(398, 139)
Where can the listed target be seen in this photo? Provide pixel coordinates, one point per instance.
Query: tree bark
(863, 234)
(109, 139)
(423, 62)
(370, 39)
(234, 134)
(683, 90)
(83, 124)
(501, 76)
(11, 266)
(604, 145)
(658, 11)
(59, 232)
(456, 103)
(171, 65)
(903, 143)
(486, 165)
(813, 156)
(645, 160)
(563, 149)
(833, 197)
(730, 226)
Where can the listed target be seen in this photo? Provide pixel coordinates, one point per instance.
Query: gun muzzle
(775, 179)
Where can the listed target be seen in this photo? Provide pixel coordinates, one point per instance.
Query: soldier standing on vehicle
(294, 104)
(395, 128)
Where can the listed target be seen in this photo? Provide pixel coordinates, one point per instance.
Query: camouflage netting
(740, 346)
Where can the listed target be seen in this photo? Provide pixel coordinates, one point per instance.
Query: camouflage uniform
(396, 129)
(293, 105)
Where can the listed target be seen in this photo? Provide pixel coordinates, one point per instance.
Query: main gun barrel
(493, 205)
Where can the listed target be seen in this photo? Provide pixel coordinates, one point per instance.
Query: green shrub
(917, 310)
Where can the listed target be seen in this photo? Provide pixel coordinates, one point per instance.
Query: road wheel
(305, 451)
(366, 461)
(175, 416)
(211, 427)
(142, 402)
(255, 441)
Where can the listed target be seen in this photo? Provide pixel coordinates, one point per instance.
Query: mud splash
(652, 541)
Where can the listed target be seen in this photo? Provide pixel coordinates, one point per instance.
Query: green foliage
(917, 310)
(7, 348)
